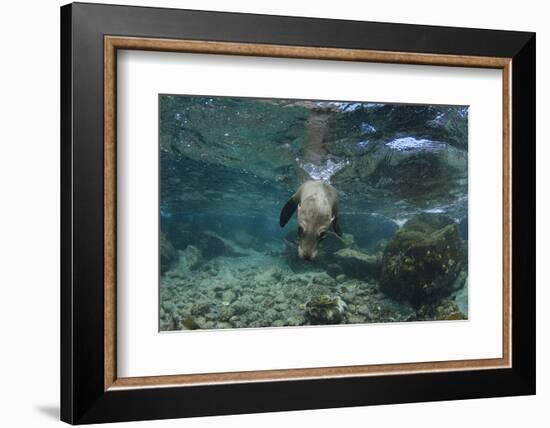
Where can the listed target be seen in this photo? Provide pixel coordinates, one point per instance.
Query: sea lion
(317, 204)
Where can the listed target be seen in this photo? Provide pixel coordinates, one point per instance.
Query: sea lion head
(314, 219)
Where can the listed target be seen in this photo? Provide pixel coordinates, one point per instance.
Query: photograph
(290, 212)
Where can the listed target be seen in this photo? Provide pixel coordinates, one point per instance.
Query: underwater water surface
(229, 165)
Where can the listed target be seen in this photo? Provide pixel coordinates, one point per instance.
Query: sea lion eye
(323, 235)
(300, 230)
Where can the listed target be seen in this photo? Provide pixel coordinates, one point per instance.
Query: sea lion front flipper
(288, 210)
(336, 226)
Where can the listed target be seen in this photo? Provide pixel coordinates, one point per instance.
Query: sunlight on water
(411, 143)
(322, 172)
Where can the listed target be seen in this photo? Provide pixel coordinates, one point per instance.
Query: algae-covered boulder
(324, 309)
(423, 259)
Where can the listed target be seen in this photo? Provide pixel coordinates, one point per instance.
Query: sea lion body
(317, 206)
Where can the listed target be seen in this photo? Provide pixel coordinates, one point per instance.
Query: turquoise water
(229, 165)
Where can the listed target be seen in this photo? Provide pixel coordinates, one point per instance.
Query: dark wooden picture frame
(90, 389)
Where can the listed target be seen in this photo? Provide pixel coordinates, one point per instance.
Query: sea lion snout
(308, 256)
(309, 238)
(306, 252)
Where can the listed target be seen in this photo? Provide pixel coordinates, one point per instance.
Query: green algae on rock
(325, 309)
(422, 261)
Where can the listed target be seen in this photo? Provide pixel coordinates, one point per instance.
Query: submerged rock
(168, 254)
(324, 309)
(190, 324)
(341, 278)
(446, 310)
(200, 308)
(214, 245)
(208, 242)
(269, 276)
(358, 263)
(423, 259)
(188, 260)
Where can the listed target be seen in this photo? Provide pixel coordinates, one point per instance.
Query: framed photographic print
(265, 213)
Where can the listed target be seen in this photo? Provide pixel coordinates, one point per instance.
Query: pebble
(348, 297)
(355, 319)
(270, 314)
(168, 305)
(229, 296)
(258, 298)
(280, 298)
(294, 321)
(363, 310)
(223, 325)
(281, 307)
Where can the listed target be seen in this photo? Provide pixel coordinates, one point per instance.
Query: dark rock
(168, 254)
(209, 243)
(242, 306)
(422, 261)
(225, 313)
(446, 310)
(358, 263)
(200, 308)
(213, 245)
(295, 320)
